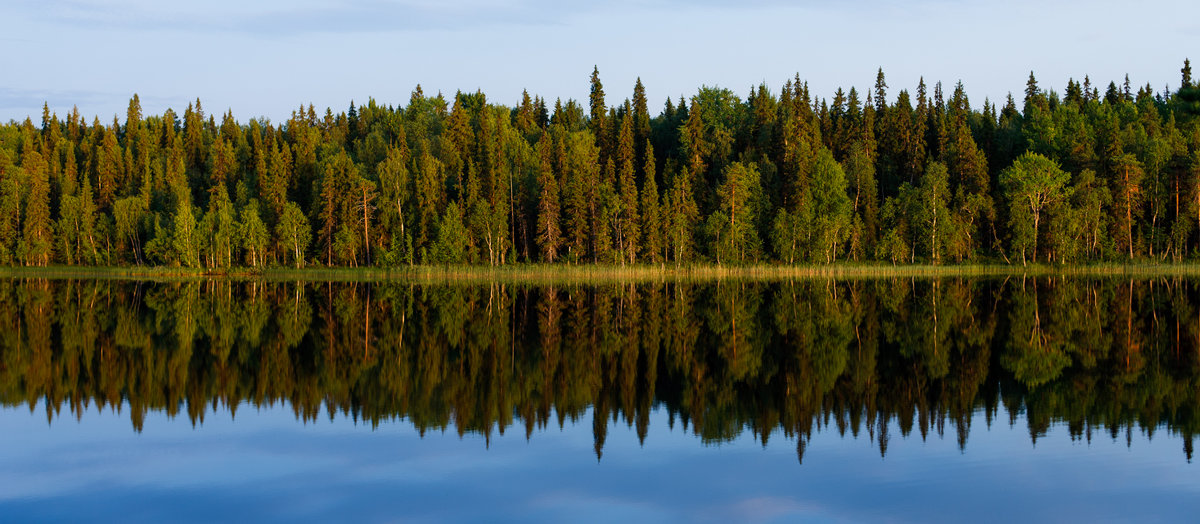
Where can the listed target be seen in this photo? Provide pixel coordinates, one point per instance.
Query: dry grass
(585, 273)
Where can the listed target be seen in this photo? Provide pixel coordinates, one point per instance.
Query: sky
(266, 466)
(265, 58)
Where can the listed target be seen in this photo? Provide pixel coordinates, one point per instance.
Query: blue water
(265, 465)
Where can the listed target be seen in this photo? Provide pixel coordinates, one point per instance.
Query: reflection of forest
(722, 358)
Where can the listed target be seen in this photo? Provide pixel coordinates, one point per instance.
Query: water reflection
(1100, 356)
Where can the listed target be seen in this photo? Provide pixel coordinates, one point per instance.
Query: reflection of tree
(794, 357)
(1035, 355)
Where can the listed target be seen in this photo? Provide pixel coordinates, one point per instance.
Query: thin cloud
(297, 18)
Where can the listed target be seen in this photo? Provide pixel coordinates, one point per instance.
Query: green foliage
(294, 233)
(732, 229)
(915, 355)
(917, 178)
(681, 217)
(37, 237)
(653, 244)
(254, 235)
(1031, 185)
(452, 238)
(831, 208)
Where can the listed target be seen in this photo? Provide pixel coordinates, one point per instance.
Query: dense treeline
(1102, 356)
(901, 177)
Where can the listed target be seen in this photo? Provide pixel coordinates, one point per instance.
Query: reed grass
(586, 273)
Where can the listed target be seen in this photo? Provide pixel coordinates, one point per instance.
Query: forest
(891, 177)
(1106, 358)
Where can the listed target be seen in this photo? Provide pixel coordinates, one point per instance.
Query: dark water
(1043, 399)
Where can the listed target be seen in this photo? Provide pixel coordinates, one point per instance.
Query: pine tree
(365, 198)
(1127, 175)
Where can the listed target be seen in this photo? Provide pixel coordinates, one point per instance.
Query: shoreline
(547, 273)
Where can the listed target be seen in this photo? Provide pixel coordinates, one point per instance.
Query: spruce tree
(10, 209)
(681, 217)
(598, 117)
(37, 236)
(652, 229)
(549, 236)
(628, 222)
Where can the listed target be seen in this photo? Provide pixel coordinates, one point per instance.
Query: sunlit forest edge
(914, 176)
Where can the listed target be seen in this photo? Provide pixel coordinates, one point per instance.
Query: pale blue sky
(265, 58)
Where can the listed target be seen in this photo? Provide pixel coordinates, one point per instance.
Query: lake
(993, 399)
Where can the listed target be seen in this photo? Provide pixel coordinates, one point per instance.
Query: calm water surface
(909, 400)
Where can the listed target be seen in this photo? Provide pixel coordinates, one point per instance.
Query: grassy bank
(547, 273)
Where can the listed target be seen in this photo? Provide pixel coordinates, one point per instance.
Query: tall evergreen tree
(652, 245)
(549, 235)
(37, 238)
(681, 216)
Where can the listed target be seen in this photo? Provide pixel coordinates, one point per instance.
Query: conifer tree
(598, 121)
(652, 244)
(277, 178)
(628, 227)
(681, 217)
(10, 209)
(452, 238)
(549, 236)
(732, 229)
(580, 175)
(641, 124)
(37, 238)
(1127, 178)
(109, 168)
